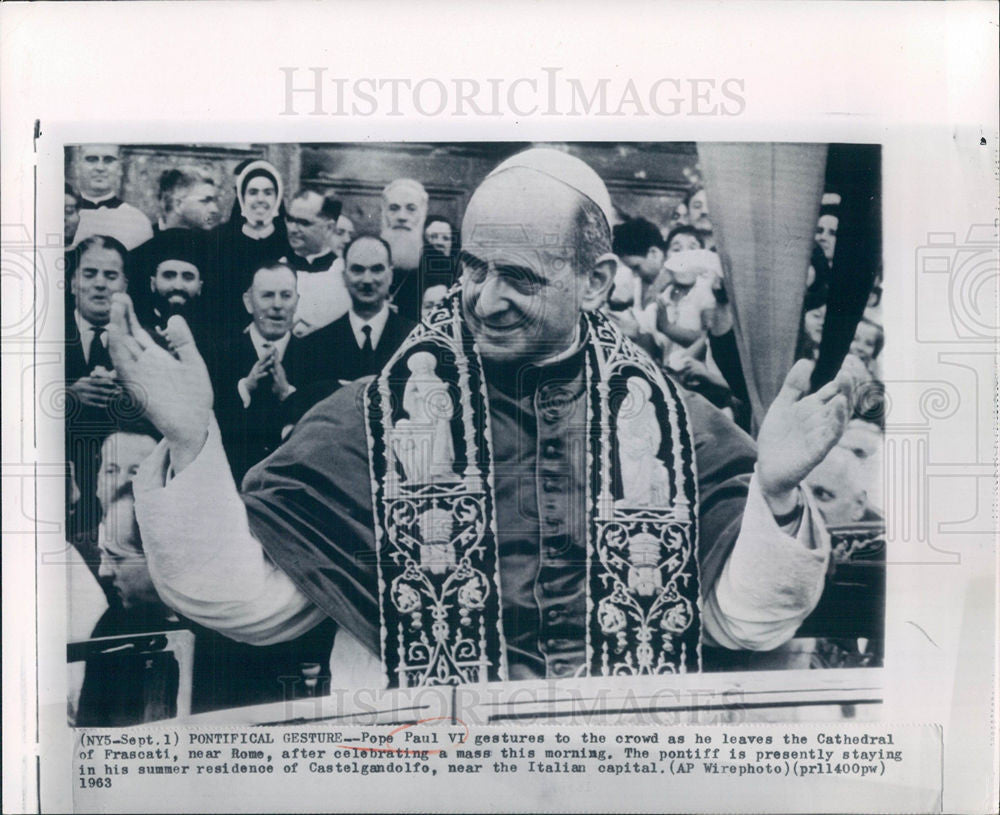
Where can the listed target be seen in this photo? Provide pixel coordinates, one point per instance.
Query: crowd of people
(270, 295)
(288, 302)
(670, 297)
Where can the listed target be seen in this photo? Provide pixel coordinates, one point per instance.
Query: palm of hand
(179, 392)
(798, 431)
(175, 392)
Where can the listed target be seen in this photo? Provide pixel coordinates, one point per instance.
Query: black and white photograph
(503, 409)
(548, 411)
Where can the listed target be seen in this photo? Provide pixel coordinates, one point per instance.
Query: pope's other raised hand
(175, 391)
(798, 431)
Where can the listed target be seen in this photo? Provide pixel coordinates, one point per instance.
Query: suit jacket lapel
(75, 363)
(348, 350)
(290, 361)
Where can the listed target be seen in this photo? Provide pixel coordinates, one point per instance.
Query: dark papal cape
(417, 579)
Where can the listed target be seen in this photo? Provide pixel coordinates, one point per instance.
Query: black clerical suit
(408, 287)
(233, 257)
(209, 337)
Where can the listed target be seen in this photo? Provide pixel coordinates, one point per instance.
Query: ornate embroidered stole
(430, 452)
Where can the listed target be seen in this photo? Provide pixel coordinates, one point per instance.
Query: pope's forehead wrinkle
(511, 234)
(501, 235)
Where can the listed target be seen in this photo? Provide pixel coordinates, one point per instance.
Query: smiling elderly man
(519, 494)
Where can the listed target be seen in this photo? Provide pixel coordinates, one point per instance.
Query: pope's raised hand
(175, 391)
(798, 431)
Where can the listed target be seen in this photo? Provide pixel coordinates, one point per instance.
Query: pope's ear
(598, 284)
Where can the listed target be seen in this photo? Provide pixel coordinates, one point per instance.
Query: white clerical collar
(377, 324)
(260, 344)
(314, 258)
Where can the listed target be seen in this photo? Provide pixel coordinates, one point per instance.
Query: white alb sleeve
(204, 561)
(772, 580)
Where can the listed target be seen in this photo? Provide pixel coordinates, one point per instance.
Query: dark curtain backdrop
(764, 201)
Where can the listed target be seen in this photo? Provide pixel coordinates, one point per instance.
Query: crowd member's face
(307, 229)
(176, 283)
(622, 288)
(835, 484)
(682, 243)
(123, 563)
(862, 439)
(98, 169)
(259, 200)
(647, 266)
(403, 208)
(865, 342)
(438, 235)
(367, 274)
(121, 455)
(433, 297)
(71, 218)
(343, 234)
(679, 216)
(813, 323)
(199, 208)
(271, 301)
(698, 211)
(826, 234)
(101, 273)
(522, 289)
(124, 567)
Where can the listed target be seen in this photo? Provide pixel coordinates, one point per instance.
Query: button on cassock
(560, 667)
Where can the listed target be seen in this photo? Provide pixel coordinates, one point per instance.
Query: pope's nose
(493, 298)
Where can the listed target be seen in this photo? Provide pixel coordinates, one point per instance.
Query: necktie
(367, 350)
(98, 354)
